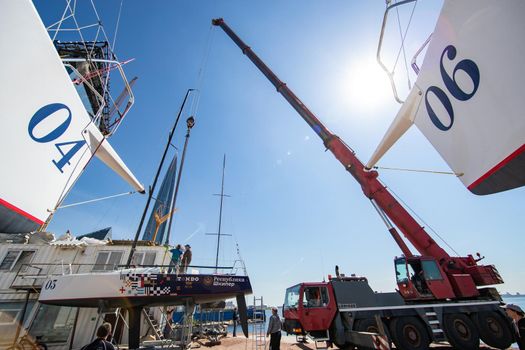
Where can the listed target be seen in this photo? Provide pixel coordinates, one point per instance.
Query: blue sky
(294, 210)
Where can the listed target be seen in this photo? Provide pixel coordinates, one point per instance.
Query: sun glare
(365, 87)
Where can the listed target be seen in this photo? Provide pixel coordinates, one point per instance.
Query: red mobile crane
(438, 297)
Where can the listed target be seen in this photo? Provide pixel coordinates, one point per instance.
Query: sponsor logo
(227, 281)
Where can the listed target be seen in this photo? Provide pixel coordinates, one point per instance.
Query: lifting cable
(421, 171)
(423, 221)
(202, 69)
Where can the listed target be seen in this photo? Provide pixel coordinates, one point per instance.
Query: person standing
(100, 343)
(186, 258)
(235, 317)
(175, 258)
(518, 319)
(274, 330)
(168, 327)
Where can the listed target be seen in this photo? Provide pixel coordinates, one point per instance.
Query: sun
(365, 86)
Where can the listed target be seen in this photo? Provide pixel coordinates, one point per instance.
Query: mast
(190, 122)
(152, 187)
(219, 233)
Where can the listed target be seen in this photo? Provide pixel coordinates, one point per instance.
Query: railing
(380, 46)
(32, 276)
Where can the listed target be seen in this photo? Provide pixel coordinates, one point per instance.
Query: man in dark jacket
(100, 343)
(235, 317)
(274, 330)
(186, 258)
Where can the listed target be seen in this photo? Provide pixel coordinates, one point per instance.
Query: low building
(26, 263)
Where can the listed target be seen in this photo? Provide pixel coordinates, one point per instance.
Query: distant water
(250, 329)
(520, 301)
(268, 313)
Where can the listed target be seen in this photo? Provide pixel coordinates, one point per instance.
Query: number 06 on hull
(467, 99)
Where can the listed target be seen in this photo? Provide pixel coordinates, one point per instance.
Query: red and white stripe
(381, 342)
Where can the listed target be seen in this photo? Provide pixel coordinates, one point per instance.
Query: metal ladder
(119, 317)
(321, 343)
(435, 325)
(185, 328)
(152, 322)
(258, 324)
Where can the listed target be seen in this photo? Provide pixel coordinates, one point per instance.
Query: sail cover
(468, 100)
(47, 135)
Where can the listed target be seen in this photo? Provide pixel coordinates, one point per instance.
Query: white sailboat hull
(48, 137)
(138, 288)
(468, 100)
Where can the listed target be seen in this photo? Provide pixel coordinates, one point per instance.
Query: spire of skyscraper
(156, 229)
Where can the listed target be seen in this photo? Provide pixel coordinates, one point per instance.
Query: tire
(494, 330)
(409, 333)
(461, 332)
(370, 325)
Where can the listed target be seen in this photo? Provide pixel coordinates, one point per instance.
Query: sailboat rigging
(190, 124)
(219, 233)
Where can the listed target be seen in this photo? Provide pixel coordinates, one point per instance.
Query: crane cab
(309, 307)
(421, 278)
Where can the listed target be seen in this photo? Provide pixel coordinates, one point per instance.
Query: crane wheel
(461, 332)
(370, 325)
(494, 330)
(409, 333)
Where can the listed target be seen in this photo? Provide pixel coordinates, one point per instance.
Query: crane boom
(372, 188)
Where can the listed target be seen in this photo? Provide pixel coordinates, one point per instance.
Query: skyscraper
(157, 226)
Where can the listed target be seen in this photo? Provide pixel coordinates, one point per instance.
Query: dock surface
(287, 343)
